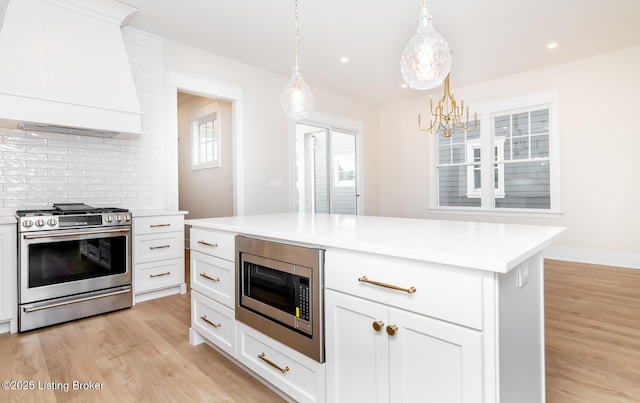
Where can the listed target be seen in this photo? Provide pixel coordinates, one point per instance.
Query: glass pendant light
(426, 59)
(297, 99)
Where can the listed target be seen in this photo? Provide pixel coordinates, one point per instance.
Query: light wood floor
(142, 354)
(592, 321)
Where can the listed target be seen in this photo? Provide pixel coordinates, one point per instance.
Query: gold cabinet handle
(160, 275)
(205, 243)
(159, 247)
(159, 225)
(378, 325)
(392, 330)
(409, 290)
(205, 275)
(273, 364)
(215, 325)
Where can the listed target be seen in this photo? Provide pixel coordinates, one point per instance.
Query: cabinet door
(433, 361)
(7, 272)
(356, 354)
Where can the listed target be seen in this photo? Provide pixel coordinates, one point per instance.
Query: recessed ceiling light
(552, 45)
(404, 85)
(344, 59)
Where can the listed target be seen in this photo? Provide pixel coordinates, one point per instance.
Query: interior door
(326, 163)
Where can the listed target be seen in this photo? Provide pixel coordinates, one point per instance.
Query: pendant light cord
(296, 16)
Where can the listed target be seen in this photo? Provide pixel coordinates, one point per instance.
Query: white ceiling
(489, 39)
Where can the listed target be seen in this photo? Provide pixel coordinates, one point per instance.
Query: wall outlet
(523, 275)
(275, 183)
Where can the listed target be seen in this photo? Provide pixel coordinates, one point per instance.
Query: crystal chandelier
(296, 99)
(447, 116)
(426, 59)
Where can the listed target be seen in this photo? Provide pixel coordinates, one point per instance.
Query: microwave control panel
(302, 310)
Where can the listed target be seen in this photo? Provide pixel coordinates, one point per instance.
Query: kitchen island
(471, 329)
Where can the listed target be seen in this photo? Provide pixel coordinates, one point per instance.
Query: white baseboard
(605, 258)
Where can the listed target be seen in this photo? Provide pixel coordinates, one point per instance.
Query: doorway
(193, 85)
(205, 158)
(326, 169)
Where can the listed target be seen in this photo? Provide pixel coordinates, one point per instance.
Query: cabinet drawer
(302, 379)
(215, 243)
(152, 247)
(213, 277)
(157, 275)
(214, 321)
(442, 292)
(156, 224)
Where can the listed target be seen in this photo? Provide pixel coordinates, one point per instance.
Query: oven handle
(75, 301)
(109, 231)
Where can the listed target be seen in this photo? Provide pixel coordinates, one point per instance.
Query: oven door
(62, 263)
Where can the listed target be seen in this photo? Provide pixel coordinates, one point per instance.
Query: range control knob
(119, 218)
(27, 223)
(40, 223)
(108, 218)
(51, 222)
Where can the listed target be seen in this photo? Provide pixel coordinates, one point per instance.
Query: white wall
(599, 145)
(267, 141)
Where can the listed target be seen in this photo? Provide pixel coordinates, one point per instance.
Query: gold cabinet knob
(391, 330)
(378, 325)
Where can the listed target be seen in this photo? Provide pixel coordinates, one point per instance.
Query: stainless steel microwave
(279, 292)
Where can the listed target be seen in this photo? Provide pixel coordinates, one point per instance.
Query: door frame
(330, 121)
(205, 87)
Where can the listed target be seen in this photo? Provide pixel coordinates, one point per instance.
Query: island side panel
(521, 332)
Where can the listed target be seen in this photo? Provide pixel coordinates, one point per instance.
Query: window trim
(472, 191)
(207, 113)
(486, 111)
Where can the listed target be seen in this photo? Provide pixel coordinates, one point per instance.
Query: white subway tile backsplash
(13, 163)
(26, 188)
(87, 180)
(47, 179)
(25, 156)
(38, 169)
(24, 172)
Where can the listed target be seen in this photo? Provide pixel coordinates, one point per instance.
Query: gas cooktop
(69, 208)
(71, 215)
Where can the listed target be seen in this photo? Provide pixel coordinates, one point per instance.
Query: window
(345, 170)
(205, 142)
(504, 163)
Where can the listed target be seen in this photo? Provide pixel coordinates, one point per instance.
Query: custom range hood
(64, 68)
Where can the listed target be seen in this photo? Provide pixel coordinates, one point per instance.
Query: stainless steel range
(74, 261)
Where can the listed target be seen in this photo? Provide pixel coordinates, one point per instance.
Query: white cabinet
(213, 285)
(401, 344)
(376, 353)
(213, 289)
(8, 271)
(294, 373)
(213, 321)
(158, 256)
(213, 277)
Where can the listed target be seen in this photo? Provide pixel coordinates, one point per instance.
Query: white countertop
(155, 213)
(7, 219)
(484, 246)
